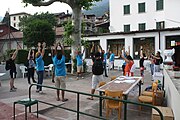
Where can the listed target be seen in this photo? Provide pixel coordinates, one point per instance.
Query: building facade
(15, 19)
(148, 23)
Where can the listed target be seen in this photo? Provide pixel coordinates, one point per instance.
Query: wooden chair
(149, 99)
(103, 100)
(113, 78)
(112, 104)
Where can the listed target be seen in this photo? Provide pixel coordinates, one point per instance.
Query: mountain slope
(99, 9)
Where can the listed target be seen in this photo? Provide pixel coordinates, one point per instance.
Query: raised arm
(92, 49)
(141, 52)
(126, 60)
(13, 57)
(29, 54)
(99, 48)
(62, 48)
(43, 49)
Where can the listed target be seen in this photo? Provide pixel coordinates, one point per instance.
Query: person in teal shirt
(79, 63)
(111, 60)
(40, 65)
(60, 72)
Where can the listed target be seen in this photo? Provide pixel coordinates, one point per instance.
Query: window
(148, 44)
(19, 17)
(159, 4)
(160, 25)
(141, 7)
(14, 18)
(116, 45)
(142, 26)
(126, 28)
(169, 39)
(14, 24)
(126, 9)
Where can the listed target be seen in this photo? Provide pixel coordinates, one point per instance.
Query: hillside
(99, 9)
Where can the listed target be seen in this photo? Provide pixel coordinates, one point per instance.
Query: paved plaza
(48, 112)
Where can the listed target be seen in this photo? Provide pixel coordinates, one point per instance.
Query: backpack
(7, 66)
(161, 60)
(97, 68)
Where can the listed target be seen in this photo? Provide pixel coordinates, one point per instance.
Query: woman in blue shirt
(40, 65)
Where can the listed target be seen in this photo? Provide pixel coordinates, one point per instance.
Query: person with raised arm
(40, 65)
(60, 72)
(97, 69)
(129, 62)
(12, 68)
(79, 60)
(31, 66)
(141, 63)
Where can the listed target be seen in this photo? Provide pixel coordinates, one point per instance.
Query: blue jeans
(40, 79)
(152, 68)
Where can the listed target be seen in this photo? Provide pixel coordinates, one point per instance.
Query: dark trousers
(123, 68)
(30, 74)
(105, 70)
(40, 79)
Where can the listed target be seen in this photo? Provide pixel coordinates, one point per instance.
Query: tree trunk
(76, 35)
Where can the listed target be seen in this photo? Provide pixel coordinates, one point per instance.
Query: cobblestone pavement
(53, 113)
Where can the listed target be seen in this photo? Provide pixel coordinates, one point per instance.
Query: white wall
(150, 17)
(172, 95)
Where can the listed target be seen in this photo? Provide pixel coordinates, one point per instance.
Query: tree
(77, 6)
(38, 28)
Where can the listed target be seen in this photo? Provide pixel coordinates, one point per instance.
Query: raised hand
(44, 45)
(39, 44)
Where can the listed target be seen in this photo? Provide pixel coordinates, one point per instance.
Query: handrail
(104, 97)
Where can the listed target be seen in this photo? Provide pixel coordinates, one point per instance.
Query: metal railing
(98, 96)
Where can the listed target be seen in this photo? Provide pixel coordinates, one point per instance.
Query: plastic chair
(112, 104)
(149, 99)
(23, 70)
(49, 69)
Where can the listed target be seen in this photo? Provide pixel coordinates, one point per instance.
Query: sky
(16, 6)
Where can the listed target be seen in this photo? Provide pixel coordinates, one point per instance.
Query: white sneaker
(40, 92)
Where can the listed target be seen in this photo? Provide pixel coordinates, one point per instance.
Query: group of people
(99, 59)
(38, 64)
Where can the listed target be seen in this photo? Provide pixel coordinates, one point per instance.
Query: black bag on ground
(8, 65)
(97, 68)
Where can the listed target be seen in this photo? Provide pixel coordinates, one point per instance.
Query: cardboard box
(160, 97)
(166, 111)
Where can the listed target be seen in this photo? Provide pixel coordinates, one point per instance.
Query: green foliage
(38, 28)
(43, 16)
(38, 31)
(21, 57)
(85, 43)
(86, 4)
(68, 30)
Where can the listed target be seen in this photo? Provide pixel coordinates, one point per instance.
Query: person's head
(103, 51)
(79, 52)
(59, 56)
(37, 54)
(110, 51)
(31, 57)
(158, 53)
(129, 57)
(97, 55)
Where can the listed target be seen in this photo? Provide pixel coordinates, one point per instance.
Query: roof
(13, 35)
(133, 32)
(21, 13)
(19, 34)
